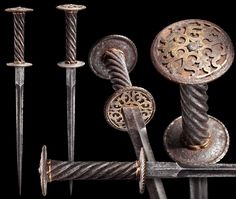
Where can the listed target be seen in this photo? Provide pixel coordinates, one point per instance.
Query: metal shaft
(71, 24)
(198, 188)
(92, 170)
(195, 129)
(19, 87)
(194, 115)
(19, 22)
(118, 73)
(117, 70)
(54, 170)
(19, 64)
(70, 64)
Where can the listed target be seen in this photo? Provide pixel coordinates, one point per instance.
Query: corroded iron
(192, 52)
(71, 64)
(19, 64)
(104, 46)
(141, 170)
(129, 97)
(53, 170)
(112, 58)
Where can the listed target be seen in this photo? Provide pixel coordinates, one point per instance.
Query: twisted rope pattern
(71, 25)
(60, 171)
(19, 22)
(117, 69)
(194, 115)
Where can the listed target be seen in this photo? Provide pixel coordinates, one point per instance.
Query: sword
(71, 64)
(111, 58)
(55, 170)
(19, 64)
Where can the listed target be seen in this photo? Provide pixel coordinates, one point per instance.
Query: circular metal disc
(77, 64)
(18, 9)
(112, 41)
(192, 51)
(130, 96)
(43, 170)
(212, 153)
(16, 64)
(71, 7)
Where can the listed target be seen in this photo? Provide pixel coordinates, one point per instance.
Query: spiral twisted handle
(60, 171)
(194, 115)
(115, 62)
(71, 25)
(19, 24)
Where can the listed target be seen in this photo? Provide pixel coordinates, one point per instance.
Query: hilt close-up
(192, 53)
(53, 170)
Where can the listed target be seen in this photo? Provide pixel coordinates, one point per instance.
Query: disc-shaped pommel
(192, 52)
(43, 171)
(118, 42)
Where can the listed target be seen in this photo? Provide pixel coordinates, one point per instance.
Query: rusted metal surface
(192, 51)
(194, 115)
(198, 185)
(139, 137)
(129, 97)
(53, 170)
(111, 58)
(102, 47)
(212, 153)
(71, 64)
(19, 64)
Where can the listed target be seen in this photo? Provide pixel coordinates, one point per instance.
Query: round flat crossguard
(192, 53)
(119, 42)
(128, 97)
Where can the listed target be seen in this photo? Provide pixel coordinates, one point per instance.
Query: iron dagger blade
(19, 85)
(138, 133)
(198, 188)
(71, 84)
(173, 170)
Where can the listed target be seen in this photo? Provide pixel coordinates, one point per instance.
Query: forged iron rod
(174, 170)
(61, 171)
(194, 115)
(138, 134)
(196, 138)
(117, 70)
(70, 64)
(19, 64)
(54, 170)
(195, 129)
(198, 188)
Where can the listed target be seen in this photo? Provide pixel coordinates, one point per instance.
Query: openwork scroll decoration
(193, 49)
(130, 96)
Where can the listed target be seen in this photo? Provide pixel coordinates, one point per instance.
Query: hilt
(194, 116)
(53, 170)
(193, 53)
(113, 57)
(19, 39)
(71, 11)
(115, 62)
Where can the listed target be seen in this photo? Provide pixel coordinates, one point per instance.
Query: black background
(45, 93)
